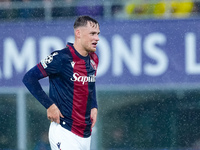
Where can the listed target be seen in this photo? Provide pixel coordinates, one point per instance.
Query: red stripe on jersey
(42, 70)
(80, 96)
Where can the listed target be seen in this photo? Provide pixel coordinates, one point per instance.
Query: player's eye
(93, 33)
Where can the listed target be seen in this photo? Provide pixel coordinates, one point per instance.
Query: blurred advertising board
(131, 53)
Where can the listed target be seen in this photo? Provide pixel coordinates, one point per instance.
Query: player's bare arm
(54, 114)
(93, 116)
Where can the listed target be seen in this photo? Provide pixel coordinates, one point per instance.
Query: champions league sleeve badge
(48, 60)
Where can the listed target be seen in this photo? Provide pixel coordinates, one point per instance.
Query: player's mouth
(94, 44)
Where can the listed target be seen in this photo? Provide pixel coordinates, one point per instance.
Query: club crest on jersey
(93, 64)
(48, 60)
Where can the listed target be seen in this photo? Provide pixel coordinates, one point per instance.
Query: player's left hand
(93, 116)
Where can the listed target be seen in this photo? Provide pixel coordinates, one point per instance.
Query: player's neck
(80, 50)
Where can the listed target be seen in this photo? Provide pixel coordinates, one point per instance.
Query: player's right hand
(54, 114)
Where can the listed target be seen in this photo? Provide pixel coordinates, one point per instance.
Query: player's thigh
(85, 143)
(61, 138)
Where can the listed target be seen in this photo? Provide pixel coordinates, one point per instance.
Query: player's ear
(77, 33)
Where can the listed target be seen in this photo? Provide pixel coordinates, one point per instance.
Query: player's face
(89, 37)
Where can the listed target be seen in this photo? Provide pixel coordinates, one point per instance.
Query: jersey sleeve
(31, 81)
(52, 64)
(94, 100)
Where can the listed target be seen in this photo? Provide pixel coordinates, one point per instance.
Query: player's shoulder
(94, 57)
(61, 53)
(58, 52)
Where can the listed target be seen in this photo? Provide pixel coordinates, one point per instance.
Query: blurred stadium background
(148, 84)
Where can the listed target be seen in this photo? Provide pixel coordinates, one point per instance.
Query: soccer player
(71, 104)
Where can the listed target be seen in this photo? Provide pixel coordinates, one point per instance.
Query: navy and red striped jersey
(72, 87)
